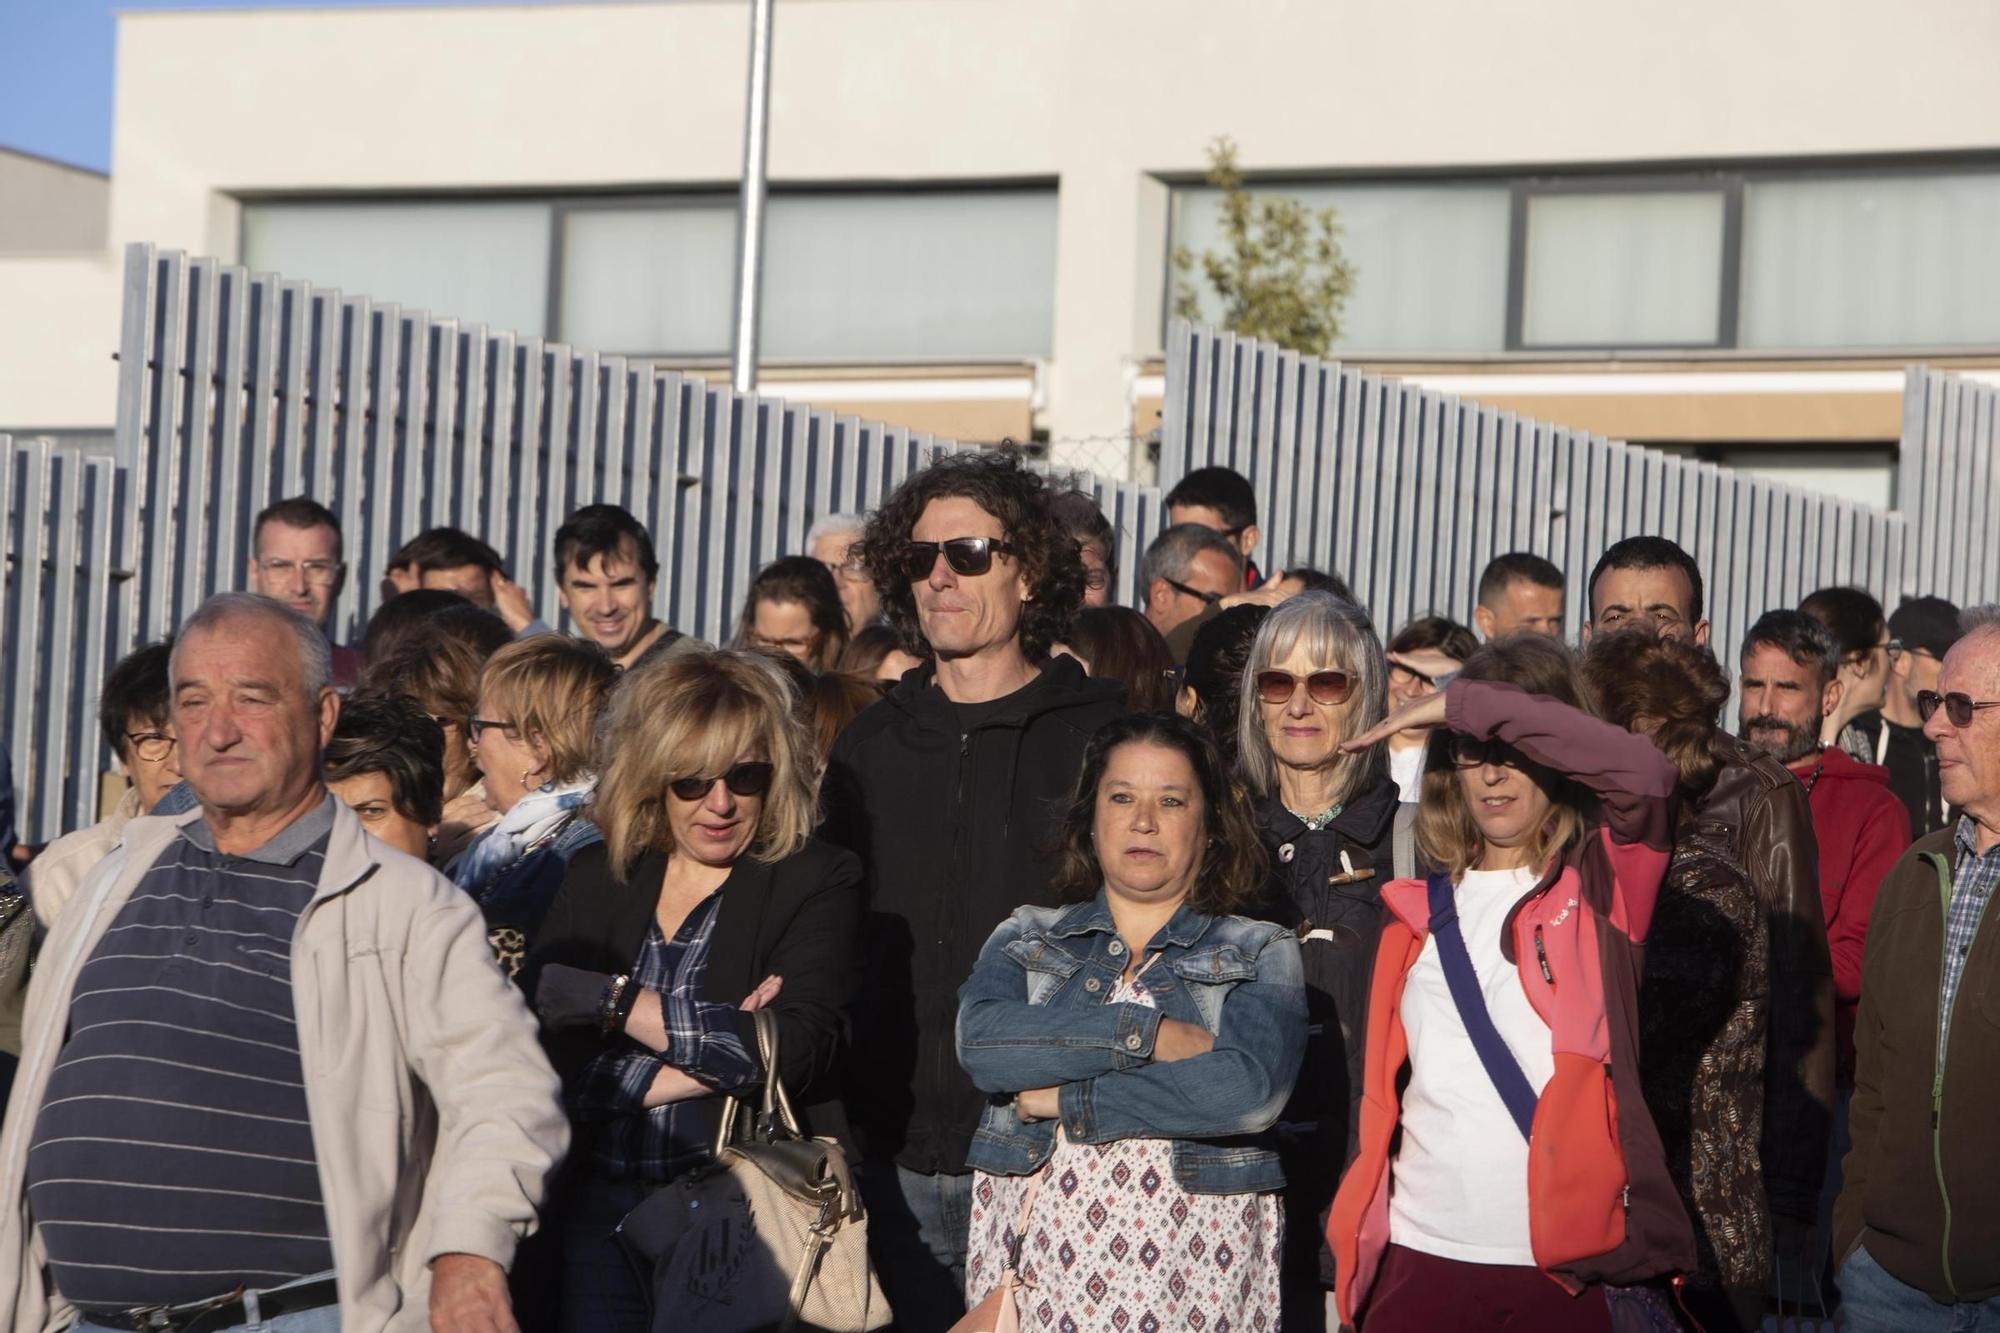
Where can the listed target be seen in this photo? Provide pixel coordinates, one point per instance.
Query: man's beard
(1799, 741)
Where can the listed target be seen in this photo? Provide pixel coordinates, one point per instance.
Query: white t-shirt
(1406, 767)
(1459, 1185)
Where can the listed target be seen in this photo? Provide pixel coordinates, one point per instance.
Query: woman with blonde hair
(708, 898)
(533, 738)
(1504, 1139)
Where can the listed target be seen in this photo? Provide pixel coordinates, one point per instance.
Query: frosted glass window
(902, 274)
(650, 280)
(1871, 261)
(1631, 270)
(1430, 261)
(473, 261)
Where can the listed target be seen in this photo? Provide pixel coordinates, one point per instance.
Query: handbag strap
(775, 1102)
(1501, 1066)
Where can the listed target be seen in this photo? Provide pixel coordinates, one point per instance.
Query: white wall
(1096, 93)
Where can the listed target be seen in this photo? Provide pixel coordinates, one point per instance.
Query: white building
(1723, 228)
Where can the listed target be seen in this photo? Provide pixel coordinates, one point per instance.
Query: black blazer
(799, 918)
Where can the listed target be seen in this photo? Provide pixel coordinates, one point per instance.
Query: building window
(475, 261)
(656, 279)
(1890, 260)
(1638, 268)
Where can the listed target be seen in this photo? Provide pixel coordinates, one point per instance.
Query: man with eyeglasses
(831, 541)
(949, 790)
(296, 559)
(1917, 1226)
(1921, 631)
(1187, 572)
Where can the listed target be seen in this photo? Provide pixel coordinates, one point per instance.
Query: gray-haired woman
(1316, 677)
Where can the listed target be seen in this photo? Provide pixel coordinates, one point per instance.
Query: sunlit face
(1508, 805)
(1208, 578)
(370, 796)
(720, 826)
(1150, 825)
(610, 599)
(1303, 732)
(858, 597)
(250, 733)
(1243, 539)
(1782, 703)
(511, 762)
(300, 567)
(1969, 757)
(1523, 607)
(964, 615)
(1864, 676)
(151, 757)
(896, 663)
(471, 582)
(1912, 671)
(1662, 599)
(785, 627)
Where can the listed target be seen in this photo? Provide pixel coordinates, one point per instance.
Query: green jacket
(1922, 1182)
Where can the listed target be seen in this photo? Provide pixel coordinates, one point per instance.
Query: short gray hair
(834, 525)
(315, 656)
(1974, 619)
(1335, 633)
(1175, 549)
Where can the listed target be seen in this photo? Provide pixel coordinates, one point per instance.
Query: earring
(528, 779)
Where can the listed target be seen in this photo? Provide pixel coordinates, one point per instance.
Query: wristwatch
(615, 1005)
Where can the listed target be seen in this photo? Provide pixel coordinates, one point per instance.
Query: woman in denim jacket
(1136, 1044)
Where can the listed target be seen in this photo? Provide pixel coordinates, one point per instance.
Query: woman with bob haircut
(386, 763)
(533, 736)
(1136, 1044)
(1314, 677)
(708, 898)
(793, 606)
(1504, 1138)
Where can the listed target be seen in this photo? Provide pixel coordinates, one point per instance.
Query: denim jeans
(602, 1291)
(1872, 1301)
(325, 1319)
(918, 1225)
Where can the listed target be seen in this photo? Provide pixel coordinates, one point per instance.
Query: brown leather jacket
(1765, 804)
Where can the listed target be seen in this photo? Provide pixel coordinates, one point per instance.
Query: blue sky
(56, 64)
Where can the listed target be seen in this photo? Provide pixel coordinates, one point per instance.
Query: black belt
(230, 1311)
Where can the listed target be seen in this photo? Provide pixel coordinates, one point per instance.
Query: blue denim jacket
(1033, 1015)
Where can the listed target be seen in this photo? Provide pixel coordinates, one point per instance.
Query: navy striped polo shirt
(173, 1159)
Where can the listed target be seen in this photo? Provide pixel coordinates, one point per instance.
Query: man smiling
(608, 572)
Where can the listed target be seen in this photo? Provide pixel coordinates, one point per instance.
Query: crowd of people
(1224, 962)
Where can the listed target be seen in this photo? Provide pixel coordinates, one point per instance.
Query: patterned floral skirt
(1116, 1244)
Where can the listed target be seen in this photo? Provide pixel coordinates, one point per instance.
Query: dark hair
(1645, 553)
(1502, 571)
(804, 580)
(1079, 516)
(835, 699)
(299, 512)
(603, 530)
(1804, 638)
(1676, 687)
(1318, 580)
(446, 548)
(139, 686)
(1234, 865)
(391, 734)
(1215, 663)
(867, 649)
(1435, 632)
(421, 615)
(1222, 489)
(998, 481)
(1120, 644)
(1853, 617)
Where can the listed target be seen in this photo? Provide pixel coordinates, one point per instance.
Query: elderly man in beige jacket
(270, 1073)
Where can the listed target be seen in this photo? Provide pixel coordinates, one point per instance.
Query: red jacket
(1601, 1206)
(1863, 829)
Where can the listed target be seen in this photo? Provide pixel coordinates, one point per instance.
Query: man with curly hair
(949, 790)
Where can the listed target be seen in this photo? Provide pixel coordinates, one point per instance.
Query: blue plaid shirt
(702, 1040)
(1972, 888)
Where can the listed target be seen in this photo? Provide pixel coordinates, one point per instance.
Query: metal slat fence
(1950, 461)
(1407, 493)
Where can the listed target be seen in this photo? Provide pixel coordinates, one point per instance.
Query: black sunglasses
(1209, 597)
(751, 779)
(1958, 707)
(1471, 752)
(1322, 687)
(969, 556)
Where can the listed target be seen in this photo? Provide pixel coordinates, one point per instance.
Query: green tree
(1280, 273)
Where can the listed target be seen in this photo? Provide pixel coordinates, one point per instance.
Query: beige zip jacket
(435, 1116)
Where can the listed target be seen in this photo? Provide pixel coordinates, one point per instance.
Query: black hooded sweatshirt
(955, 813)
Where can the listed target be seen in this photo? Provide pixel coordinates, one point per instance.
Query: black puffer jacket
(954, 831)
(1312, 890)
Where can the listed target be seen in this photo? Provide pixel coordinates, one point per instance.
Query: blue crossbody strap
(1501, 1066)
